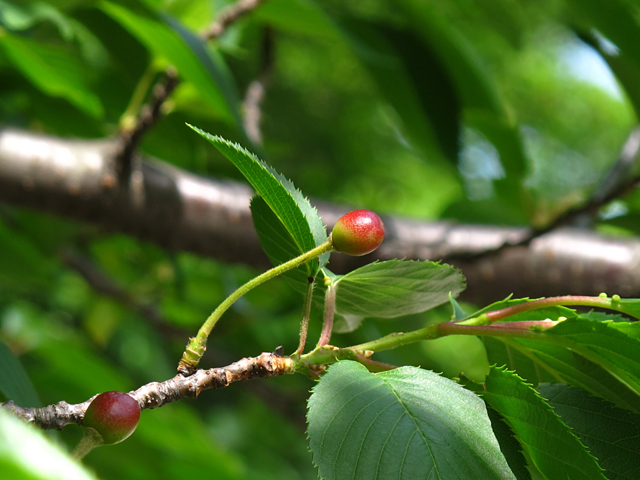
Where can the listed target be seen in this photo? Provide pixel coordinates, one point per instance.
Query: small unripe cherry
(358, 233)
(114, 415)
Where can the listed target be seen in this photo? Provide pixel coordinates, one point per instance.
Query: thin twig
(256, 91)
(151, 112)
(616, 184)
(228, 16)
(157, 394)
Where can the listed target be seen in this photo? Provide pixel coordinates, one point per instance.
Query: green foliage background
(490, 112)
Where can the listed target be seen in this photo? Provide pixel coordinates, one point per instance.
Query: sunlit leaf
(397, 287)
(550, 444)
(292, 209)
(403, 424)
(15, 383)
(167, 43)
(18, 442)
(53, 70)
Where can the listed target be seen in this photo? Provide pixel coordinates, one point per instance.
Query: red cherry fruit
(358, 233)
(114, 415)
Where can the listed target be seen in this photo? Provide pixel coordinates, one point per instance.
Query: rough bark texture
(157, 394)
(181, 211)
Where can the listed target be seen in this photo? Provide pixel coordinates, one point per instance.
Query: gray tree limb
(157, 394)
(180, 211)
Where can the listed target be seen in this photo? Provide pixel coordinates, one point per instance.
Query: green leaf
(23, 263)
(615, 20)
(629, 306)
(602, 344)
(539, 361)
(165, 42)
(630, 329)
(554, 450)
(18, 445)
(414, 81)
(53, 70)
(277, 242)
(396, 287)
(215, 65)
(612, 434)
(15, 383)
(300, 17)
(403, 424)
(480, 101)
(292, 209)
(510, 353)
(509, 445)
(458, 312)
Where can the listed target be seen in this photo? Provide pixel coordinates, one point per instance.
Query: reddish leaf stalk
(306, 313)
(329, 313)
(575, 300)
(527, 329)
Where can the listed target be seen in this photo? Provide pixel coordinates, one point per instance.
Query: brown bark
(180, 211)
(157, 394)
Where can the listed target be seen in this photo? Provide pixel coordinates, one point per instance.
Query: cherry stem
(306, 313)
(197, 345)
(90, 440)
(329, 313)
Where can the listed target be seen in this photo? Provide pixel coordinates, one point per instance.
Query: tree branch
(157, 394)
(256, 91)
(618, 182)
(151, 112)
(184, 212)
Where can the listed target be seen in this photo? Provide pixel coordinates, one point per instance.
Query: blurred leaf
(629, 306)
(505, 137)
(611, 434)
(19, 443)
(474, 85)
(414, 81)
(15, 383)
(53, 70)
(624, 66)
(167, 43)
(178, 432)
(480, 99)
(550, 444)
(294, 211)
(23, 264)
(399, 424)
(631, 329)
(299, 16)
(22, 17)
(616, 19)
(214, 63)
(396, 287)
